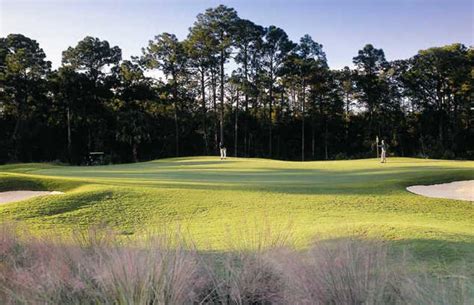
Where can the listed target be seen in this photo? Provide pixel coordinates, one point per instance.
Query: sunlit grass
(208, 198)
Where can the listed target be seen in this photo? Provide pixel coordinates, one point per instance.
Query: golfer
(223, 151)
(383, 152)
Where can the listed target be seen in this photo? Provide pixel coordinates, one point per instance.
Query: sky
(400, 27)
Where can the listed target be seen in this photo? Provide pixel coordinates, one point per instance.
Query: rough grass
(211, 200)
(165, 269)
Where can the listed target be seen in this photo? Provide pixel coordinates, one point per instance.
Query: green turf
(212, 200)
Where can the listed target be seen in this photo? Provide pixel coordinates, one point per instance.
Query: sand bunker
(459, 190)
(12, 196)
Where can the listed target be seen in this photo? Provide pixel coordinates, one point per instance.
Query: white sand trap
(459, 190)
(12, 196)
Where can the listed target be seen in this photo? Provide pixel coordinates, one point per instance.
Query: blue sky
(400, 27)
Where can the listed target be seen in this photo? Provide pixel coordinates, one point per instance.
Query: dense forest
(236, 82)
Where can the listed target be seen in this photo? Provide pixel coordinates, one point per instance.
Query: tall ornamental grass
(98, 268)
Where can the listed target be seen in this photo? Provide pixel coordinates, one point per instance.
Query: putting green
(212, 199)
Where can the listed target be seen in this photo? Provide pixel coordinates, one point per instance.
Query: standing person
(383, 152)
(223, 151)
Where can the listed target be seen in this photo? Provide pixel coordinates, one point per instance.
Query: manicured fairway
(209, 198)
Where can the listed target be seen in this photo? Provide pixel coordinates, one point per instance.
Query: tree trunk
(302, 117)
(441, 128)
(222, 59)
(18, 130)
(270, 111)
(422, 145)
(135, 151)
(176, 125)
(246, 119)
(454, 124)
(236, 126)
(326, 139)
(347, 118)
(278, 146)
(347, 107)
(16, 139)
(214, 106)
(439, 95)
(246, 103)
(313, 132)
(440, 131)
(204, 125)
(69, 139)
(282, 102)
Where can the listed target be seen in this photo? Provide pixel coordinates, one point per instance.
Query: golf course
(236, 153)
(212, 200)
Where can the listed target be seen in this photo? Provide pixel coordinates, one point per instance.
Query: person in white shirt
(223, 151)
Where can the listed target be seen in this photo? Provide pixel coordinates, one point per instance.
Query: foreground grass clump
(98, 269)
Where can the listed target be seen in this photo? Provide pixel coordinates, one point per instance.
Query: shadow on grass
(293, 181)
(12, 182)
(440, 256)
(52, 207)
(438, 252)
(329, 185)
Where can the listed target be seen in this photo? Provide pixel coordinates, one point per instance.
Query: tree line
(234, 82)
